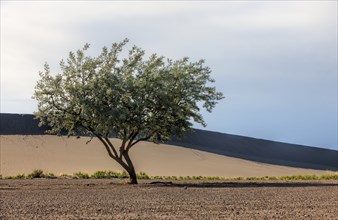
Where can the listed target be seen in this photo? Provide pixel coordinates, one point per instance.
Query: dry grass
(38, 173)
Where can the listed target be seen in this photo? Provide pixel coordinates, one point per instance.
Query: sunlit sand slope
(24, 153)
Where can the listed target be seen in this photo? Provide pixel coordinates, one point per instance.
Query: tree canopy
(135, 97)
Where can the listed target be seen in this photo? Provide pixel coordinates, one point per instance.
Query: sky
(274, 61)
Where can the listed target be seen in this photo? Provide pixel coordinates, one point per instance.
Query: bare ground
(111, 199)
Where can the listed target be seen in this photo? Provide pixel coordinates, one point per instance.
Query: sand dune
(24, 153)
(25, 148)
(253, 149)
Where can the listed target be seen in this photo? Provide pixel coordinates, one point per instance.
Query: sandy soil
(110, 199)
(23, 154)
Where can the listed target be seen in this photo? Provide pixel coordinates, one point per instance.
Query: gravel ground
(111, 199)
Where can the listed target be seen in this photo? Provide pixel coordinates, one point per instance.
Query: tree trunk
(130, 169)
(127, 164)
(132, 176)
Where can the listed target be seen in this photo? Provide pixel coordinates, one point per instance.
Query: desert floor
(62, 155)
(111, 199)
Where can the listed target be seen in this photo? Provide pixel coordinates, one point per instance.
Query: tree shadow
(243, 184)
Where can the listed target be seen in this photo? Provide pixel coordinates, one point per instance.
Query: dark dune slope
(259, 150)
(16, 124)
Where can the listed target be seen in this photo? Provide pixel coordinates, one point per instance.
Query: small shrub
(173, 178)
(81, 175)
(188, 178)
(20, 176)
(122, 175)
(50, 176)
(197, 177)
(272, 178)
(101, 175)
(108, 175)
(333, 176)
(157, 177)
(251, 178)
(118, 174)
(143, 175)
(9, 177)
(310, 177)
(237, 178)
(36, 174)
(219, 178)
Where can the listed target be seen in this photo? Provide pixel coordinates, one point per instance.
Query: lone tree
(133, 98)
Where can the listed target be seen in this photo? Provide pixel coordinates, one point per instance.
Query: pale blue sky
(275, 61)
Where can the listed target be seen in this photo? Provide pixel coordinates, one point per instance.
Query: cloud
(273, 16)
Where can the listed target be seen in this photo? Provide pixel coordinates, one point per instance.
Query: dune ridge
(259, 150)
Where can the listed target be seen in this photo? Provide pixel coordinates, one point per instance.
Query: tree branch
(106, 146)
(111, 146)
(135, 142)
(106, 142)
(131, 139)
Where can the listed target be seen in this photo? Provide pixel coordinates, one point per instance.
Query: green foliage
(187, 178)
(143, 175)
(122, 175)
(237, 178)
(329, 176)
(153, 97)
(36, 174)
(300, 177)
(109, 175)
(255, 178)
(81, 175)
(19, 176)
(101, 175)
(272, 178)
